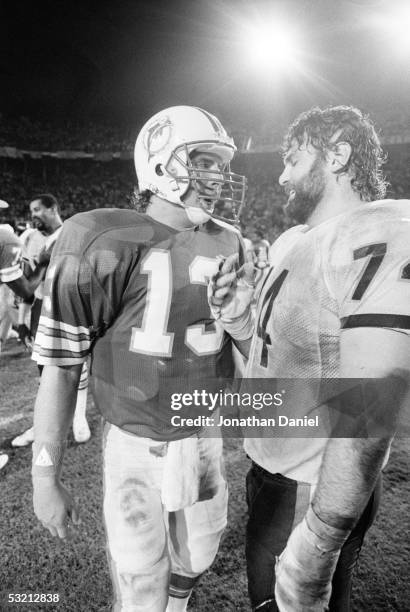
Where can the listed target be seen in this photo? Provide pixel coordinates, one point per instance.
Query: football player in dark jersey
(130, 288)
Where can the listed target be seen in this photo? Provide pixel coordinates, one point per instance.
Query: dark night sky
(120, 60)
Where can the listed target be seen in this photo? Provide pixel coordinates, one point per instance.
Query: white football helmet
(162, 157)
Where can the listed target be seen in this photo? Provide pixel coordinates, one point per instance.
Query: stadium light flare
(271, 47)
(395, 23)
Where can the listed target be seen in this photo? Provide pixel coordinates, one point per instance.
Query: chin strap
(197, 216)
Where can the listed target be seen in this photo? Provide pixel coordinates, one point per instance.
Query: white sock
(175, 604)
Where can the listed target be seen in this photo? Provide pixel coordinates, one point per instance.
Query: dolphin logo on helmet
(157, 136)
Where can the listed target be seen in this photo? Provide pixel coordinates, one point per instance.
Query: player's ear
(340, 155)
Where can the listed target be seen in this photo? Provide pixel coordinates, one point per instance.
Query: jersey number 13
(152, 338)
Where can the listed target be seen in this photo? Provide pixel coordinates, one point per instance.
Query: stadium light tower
(271, 47)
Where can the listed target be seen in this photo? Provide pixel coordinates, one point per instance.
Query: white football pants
(153, 552)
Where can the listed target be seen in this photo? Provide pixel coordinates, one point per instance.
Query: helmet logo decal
(157, 136)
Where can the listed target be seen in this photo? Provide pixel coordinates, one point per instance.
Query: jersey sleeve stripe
(63, 335)
(71, 329)
(56, 353)
(376, 320)
(57, 342)
(62, 361)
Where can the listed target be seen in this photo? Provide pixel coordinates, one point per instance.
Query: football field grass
(31, 561)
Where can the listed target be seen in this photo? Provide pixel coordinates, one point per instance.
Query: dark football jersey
(133, 292)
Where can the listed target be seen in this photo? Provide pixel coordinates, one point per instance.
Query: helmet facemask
(210, 186)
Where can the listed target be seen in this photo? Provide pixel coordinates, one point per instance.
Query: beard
(38, 224)
(306, 194)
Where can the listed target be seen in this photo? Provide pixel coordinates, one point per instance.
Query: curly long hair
(325, 128)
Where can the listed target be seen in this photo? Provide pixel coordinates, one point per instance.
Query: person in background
(12, 282)
(47, 222)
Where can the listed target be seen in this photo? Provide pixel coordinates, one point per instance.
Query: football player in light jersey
(129, 287)
(45, 214)
(11, 274)
(336, 304)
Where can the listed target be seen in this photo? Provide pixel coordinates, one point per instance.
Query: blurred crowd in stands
(78, 185)
(23, 133)
(82, 184)
(30, 135)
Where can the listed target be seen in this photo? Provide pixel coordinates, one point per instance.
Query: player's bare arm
(53, 413)
(350, 466)
(387, 379)
(25, 287)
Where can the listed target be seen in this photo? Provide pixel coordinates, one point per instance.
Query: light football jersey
(10, 255)
(351, 271)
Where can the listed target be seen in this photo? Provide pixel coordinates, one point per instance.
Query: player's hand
(223, 283)
(25, 335)
(230, 293)
(304, 572)
(229, 283)
(54, 506)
